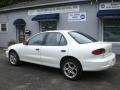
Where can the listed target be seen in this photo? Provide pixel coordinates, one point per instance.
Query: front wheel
(14, 59)
(71, 69)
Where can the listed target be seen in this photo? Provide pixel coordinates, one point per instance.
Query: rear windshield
(81, 38)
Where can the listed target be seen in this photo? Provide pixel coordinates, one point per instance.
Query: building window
(48, 25)
(111, 30)
(3, 27)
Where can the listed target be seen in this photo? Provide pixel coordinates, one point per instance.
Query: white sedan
(69, 50)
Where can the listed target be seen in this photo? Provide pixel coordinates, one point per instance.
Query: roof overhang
(46, 17)
(19, 22)
(40, 5)
(109, 13)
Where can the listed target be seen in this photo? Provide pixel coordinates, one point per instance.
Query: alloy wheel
(13, 58)
(70, 69)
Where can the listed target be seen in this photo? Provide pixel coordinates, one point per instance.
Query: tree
(9, 2)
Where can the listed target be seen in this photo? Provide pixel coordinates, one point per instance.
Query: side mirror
(25, 43)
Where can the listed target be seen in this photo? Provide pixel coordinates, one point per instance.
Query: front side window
(55, 39)
(3, 27)
(81, 38)
(37, 40)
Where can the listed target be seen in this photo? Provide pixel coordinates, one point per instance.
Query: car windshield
(81, 38)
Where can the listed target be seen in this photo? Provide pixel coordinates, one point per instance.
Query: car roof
(62, 31)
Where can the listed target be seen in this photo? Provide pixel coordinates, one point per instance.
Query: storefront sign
(62, 9)
(77, 16)
(109, 6)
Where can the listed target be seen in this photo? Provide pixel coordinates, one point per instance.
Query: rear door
(54, 48)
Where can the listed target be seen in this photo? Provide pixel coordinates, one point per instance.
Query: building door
(111, 30)
(20, 33)
(48, 25)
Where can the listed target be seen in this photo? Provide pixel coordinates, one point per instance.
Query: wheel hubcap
(12, 59)
(70, 70)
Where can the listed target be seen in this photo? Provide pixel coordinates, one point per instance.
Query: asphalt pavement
(36, 77)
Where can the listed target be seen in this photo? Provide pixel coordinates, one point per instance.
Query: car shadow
(40, 67)
(96, 75)
(86, 75)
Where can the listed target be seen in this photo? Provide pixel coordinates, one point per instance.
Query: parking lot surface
(36, 77)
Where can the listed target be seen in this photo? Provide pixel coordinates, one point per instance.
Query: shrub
(11, 42)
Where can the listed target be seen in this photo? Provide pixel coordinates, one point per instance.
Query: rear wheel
(13, 58)
(71, 69)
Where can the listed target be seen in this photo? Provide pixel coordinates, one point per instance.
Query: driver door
(31, 51)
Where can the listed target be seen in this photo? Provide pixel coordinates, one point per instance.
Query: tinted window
(81, 38)
(37, 40)
(63, 41)
(54, 39)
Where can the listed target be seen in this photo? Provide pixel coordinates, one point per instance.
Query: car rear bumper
(100, 64)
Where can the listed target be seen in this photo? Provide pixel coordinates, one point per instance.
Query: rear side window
(55, 39)
(63, 41)
(81, 38)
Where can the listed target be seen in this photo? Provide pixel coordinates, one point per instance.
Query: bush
(11, 42)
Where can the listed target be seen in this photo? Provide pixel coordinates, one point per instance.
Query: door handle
(37, 49)
(63, 50)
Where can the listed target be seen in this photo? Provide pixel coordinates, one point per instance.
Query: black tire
(71, 69)
(14, 58)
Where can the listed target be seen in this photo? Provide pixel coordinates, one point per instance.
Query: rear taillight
(98, 51)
